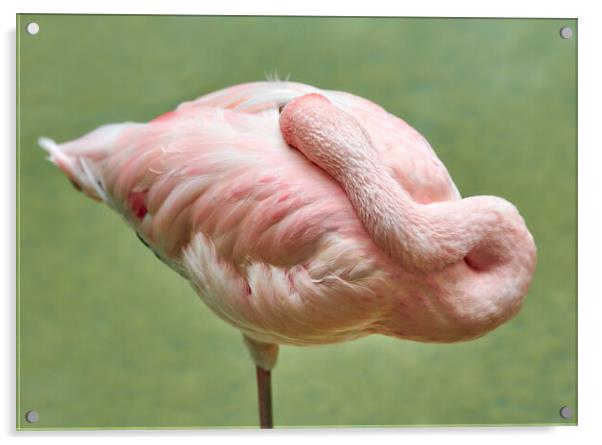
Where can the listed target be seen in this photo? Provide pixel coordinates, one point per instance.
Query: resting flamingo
(304, 217)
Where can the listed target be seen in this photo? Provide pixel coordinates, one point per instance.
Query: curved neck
(419, 237)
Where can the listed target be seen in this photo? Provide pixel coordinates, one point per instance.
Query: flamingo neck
(419, 237)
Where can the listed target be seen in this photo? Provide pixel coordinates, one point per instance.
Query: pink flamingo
(305, 217)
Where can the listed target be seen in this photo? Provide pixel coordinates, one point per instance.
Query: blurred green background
(109, 337)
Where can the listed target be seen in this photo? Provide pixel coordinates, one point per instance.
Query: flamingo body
(287, 245)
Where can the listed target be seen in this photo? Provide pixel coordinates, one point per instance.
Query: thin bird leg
(264, 393)
(264, 355)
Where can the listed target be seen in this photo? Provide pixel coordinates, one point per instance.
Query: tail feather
(79, 170)
(54, 151)
(80, 158)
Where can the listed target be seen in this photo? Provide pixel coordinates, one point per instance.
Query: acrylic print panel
(109, 337)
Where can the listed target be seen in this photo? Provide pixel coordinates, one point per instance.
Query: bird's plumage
(271, 241)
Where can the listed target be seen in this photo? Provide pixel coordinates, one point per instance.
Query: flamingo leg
(264, 393)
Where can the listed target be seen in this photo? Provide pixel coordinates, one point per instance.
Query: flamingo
(304, 216)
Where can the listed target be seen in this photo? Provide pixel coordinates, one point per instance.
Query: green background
(109, 337)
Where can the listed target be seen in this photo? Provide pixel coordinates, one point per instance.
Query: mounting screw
(32, 416)
(33, 28)
(566, 32)
(566, 412)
